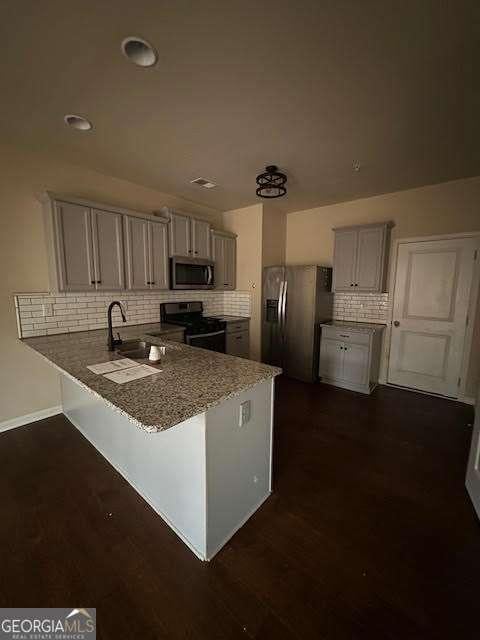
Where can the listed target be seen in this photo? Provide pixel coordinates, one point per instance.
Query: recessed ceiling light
(139, 51)
(78, 122)
(206, 184)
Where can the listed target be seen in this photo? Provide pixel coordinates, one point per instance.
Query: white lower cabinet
(238, 339)
(350, 356)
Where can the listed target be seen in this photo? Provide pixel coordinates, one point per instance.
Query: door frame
(472, 305)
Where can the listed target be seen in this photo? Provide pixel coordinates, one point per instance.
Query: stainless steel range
(200, 331)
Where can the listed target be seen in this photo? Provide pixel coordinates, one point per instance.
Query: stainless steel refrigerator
(295, 300)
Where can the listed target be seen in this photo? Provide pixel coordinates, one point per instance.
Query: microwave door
(191, 275)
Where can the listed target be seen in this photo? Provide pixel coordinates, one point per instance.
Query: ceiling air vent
(206, 184)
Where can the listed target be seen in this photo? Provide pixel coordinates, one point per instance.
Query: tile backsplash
(361, 307)
(40, 314)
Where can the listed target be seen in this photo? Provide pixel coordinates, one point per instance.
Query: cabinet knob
(92, 282)
(396, 323)
(152, 282)
(355, 285)
(196, 252)
(99, 282)
(351, 284)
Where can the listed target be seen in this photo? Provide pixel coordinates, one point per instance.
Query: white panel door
(473, 470)
(331, 359)
(430, 306)
(344, 260)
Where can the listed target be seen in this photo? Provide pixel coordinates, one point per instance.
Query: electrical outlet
(245, 413)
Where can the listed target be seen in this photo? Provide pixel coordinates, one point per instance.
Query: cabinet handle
(342, 335)
(153, 282)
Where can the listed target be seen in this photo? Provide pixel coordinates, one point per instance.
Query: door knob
(396, 323)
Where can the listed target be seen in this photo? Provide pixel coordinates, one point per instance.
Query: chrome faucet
(112, 342)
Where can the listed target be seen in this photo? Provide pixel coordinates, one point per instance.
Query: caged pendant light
(271, 183)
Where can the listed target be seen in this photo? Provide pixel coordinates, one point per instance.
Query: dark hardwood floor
(369, 533)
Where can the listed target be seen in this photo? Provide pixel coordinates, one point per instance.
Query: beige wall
(444, 208)
(451, 207)
(274, 236)
(26, 383)
(247, 223)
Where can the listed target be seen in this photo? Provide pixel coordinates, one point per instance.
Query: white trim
(30, 417)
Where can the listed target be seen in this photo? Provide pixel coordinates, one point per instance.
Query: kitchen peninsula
(194, 439)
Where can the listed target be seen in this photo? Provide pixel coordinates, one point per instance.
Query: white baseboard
(30, 417)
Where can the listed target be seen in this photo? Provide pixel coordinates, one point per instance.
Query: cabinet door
(137, 253)
(180, 240)
(238, 344)
(158, 248)
(230, 263)
(344, 260)
(355, 363)
(218, 250)
(200, 238)
(331, 359)
(370, 259)
(107, 235)
(74, 250)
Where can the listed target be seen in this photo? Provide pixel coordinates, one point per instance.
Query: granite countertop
(191, 379)
(355, 326)
(232, 318)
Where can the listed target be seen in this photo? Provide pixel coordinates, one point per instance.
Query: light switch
(245, 413)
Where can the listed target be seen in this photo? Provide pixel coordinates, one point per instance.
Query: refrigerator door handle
(284, 304)
(279, 305)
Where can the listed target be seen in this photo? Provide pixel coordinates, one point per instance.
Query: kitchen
(294, 380)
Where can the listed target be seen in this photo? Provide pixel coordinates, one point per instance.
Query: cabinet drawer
(346, 335)
(238, 344)
(234, 327)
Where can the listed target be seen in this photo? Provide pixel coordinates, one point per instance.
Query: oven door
(192, 273)
(214, 341)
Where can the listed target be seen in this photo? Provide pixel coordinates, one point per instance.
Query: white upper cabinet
(85, 248)
(189, 237)
(158, 245)
(93, 247)
(224, 255)
(107, 237)
(200, 238)
(360, 258)
(146, 253)
(69, 228)
(180, 235)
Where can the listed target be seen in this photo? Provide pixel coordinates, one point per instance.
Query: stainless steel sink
(135, 349)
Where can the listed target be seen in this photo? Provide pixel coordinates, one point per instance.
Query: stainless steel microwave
(191, 273)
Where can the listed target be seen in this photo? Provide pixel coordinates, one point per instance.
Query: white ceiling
(310, 86)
